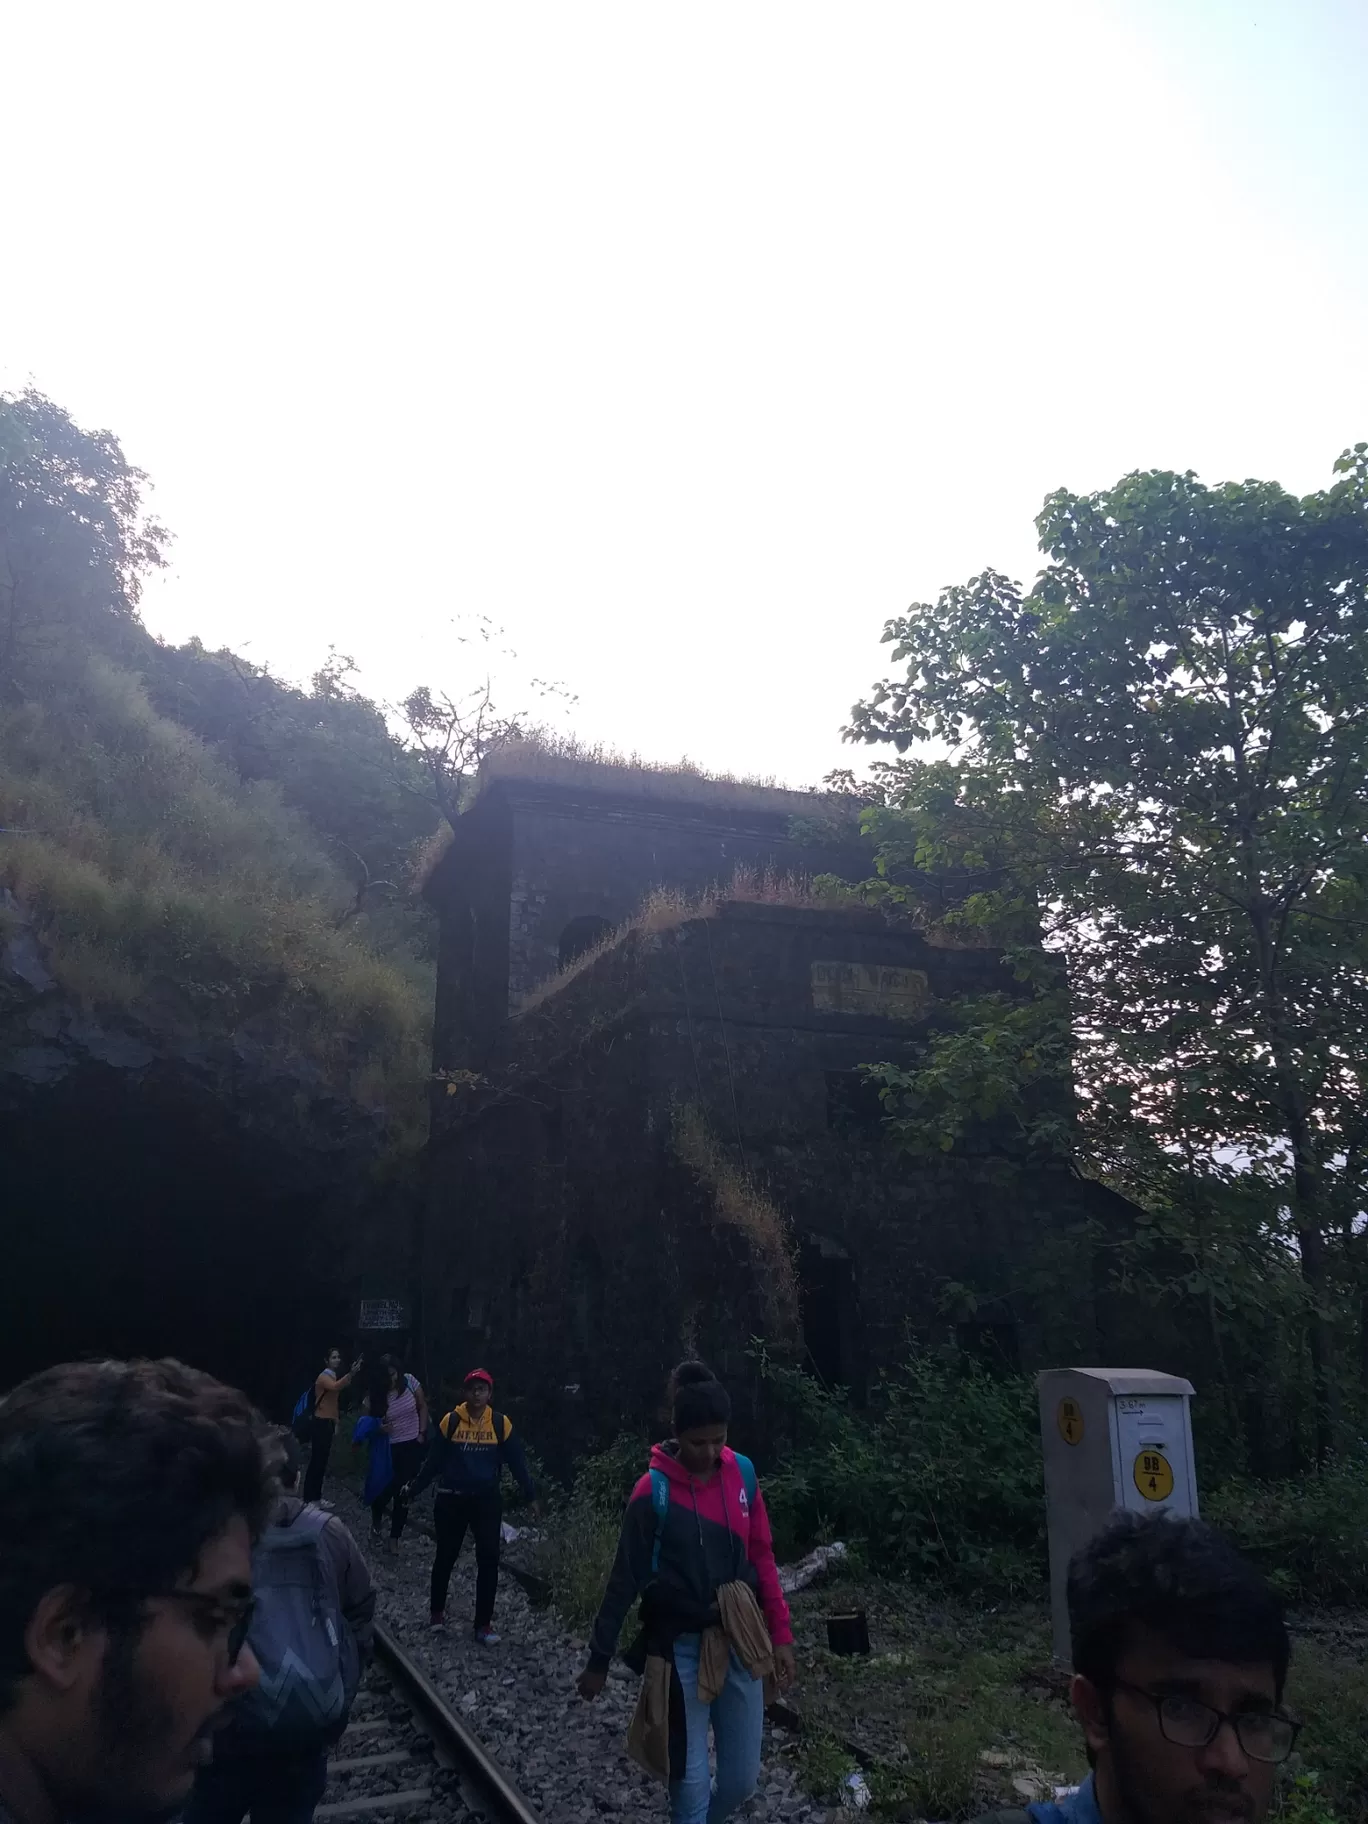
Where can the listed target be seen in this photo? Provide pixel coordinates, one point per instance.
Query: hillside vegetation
(198, 846)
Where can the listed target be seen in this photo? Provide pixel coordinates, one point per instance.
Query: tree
(76, 540)
(1159, 759)
(452, 735)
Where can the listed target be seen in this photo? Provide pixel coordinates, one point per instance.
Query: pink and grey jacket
(711, 1535)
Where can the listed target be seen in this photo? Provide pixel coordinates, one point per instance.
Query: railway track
(406, 1754)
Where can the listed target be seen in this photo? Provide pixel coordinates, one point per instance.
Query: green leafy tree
(1158, 761)
(332, 754)
(76, 540)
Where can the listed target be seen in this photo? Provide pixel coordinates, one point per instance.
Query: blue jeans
(737, 1715)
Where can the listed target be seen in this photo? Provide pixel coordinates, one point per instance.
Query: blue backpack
(301, 1419)
(310, 1662)
(660, 1499)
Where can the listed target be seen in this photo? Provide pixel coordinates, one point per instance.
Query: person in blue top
(1180, 1655)
(470, 1446)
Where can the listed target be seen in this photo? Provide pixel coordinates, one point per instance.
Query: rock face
(168, 1190)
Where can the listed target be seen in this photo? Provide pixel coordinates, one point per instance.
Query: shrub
(1307, 1534)
(579, 1541)
(941, 1477)
(161, 883)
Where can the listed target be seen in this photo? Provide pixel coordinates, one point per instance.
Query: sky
(686, 344)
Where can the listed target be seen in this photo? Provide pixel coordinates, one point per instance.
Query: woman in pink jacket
(695, 1521)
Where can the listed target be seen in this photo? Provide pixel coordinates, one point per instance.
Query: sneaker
(437, 1619)
(487, 1637)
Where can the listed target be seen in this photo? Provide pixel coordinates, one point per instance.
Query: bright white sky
(687, 342)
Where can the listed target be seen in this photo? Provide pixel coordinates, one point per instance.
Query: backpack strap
(660, 1500)
(503, 1428)
(660, 1506)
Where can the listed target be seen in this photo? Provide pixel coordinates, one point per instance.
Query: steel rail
(471, 1756)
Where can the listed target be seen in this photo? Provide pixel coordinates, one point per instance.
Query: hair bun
(691, 1374)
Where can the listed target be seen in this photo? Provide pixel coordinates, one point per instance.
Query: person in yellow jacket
(470, 1446)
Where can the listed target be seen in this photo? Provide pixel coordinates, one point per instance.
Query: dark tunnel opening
(142, 1219)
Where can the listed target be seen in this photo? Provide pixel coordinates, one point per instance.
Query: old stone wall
(583, 1251)
(536, 873)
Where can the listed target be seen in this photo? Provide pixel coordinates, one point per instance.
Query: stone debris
(566, 1756)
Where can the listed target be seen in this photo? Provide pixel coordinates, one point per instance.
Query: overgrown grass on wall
(148, 866)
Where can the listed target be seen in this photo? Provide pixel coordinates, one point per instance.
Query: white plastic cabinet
(1113, 1437)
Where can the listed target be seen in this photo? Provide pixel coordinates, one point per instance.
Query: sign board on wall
(382, 1314)
(877, 988)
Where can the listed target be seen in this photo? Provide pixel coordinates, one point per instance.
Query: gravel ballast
(519, 1697)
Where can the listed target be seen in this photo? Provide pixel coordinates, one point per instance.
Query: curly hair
(1179, 1578)
(114, 1476)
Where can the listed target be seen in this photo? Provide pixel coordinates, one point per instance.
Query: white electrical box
(1113, 1438)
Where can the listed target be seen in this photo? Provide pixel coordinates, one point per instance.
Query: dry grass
(155, 877)
(547, 759)
(740, 1203)
(667, 908)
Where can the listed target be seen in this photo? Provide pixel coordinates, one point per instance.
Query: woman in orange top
(326, 1390)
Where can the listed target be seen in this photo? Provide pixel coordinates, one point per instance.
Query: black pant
(408, 1460)
(483, 1514)
(275, 1788)
(323, 1430)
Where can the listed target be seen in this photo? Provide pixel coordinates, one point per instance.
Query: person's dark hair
(114, 1476)
(1182, 1580)
(378, 1386)
(697, 1397)
(291, 1460)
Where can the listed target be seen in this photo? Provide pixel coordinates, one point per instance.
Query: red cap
(479, 1374)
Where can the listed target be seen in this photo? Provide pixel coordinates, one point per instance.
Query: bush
(940, 1478)
(579, 1540)
(1307, 1535)
(164, 886)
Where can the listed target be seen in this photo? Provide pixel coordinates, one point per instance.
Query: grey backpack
(310, 1664)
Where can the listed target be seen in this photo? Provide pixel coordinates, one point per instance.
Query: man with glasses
(130, 1495)
(1180, 1656)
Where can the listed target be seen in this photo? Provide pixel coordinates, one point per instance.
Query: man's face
(334, 1359)
(1143, 1776)
(477, 1396)
(157, 1695)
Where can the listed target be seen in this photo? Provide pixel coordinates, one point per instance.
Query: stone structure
(669, 1144)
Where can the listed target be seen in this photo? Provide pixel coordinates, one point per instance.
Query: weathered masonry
(663, 1140)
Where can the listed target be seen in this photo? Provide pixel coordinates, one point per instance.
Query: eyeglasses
(215, 1616)
(1265, 1735)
